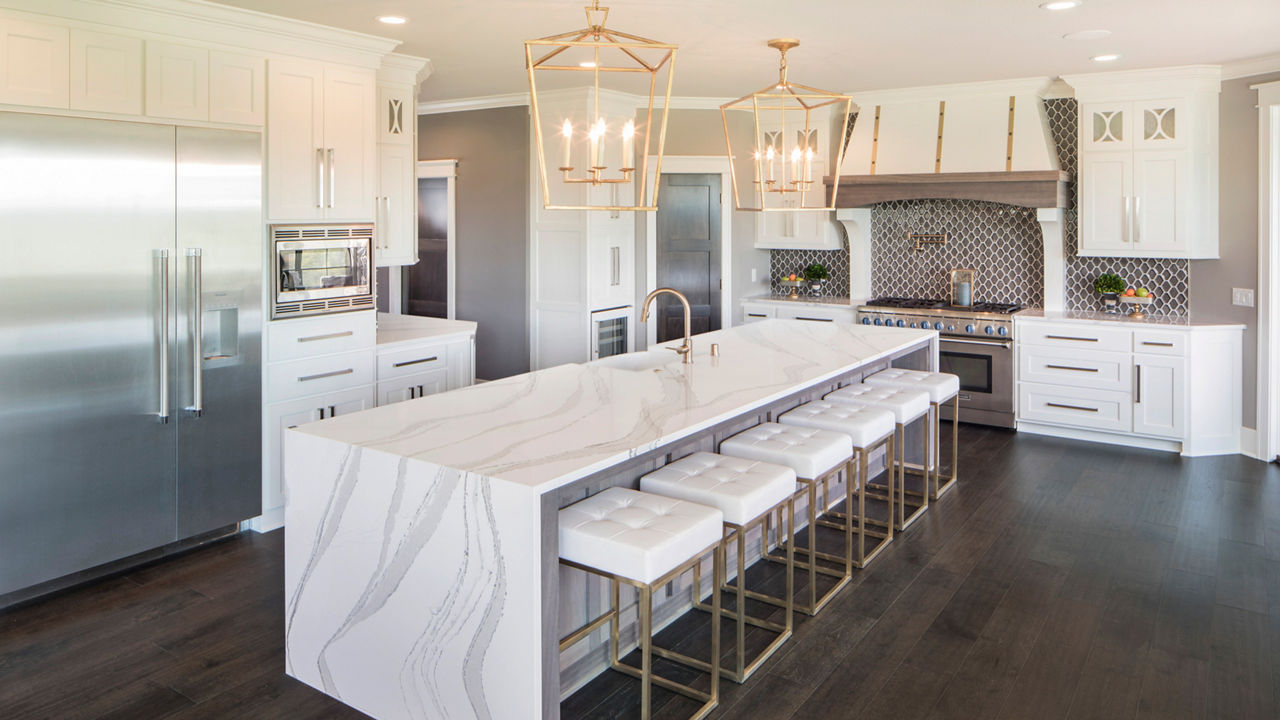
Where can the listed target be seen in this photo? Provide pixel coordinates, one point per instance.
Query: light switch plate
(753, 275)
(1242, 297)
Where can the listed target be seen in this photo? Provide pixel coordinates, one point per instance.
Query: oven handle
(1006, 344)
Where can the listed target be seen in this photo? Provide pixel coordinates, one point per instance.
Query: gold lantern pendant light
(606, 150)
(783, 178)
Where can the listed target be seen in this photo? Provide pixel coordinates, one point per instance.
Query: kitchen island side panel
(412, 590)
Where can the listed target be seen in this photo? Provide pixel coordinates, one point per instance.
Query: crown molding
(215, 24)
(1144, 84)
(1251, 66)
(398, 68)
(480, 102)
(1038, 86)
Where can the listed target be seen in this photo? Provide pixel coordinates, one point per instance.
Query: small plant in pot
(816, 275)
(1109, 286)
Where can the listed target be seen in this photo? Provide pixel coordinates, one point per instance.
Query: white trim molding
(1250, 67)
(709, 164)
(1268, 442)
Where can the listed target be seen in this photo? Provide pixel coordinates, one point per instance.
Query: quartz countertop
(408, 329)
(841, 302)
(1096, 317)
(547, 428)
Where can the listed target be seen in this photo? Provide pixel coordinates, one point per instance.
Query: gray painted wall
(1237, 266)
(492, 149)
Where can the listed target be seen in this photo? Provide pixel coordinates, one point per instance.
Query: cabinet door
(1160, 124)
(1159, 183)
(1105, 188)
(349, 142)
(397, 115)
(237, 88)
(1106, 126)
(412, 386)
(177, 81)
(1158, 399)
(295, 140)
(396, 235)
(106, 72)
(34, 67)
(285, 415)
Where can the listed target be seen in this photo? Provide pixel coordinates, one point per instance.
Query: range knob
(970, 329)
(878, 322)
(951, 328)
(866, 321)
(1003, 331)
(989, 330)
(901, 324)
(937, 326)
(913, 326)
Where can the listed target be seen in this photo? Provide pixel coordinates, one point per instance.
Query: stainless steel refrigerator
(130, 340)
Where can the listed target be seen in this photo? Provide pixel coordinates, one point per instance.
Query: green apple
(1142, 292)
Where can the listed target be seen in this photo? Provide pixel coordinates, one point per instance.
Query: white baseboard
(1249, 444)
(1098, 436)
(272, 519)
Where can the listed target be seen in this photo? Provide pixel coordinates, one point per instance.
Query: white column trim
(691, 164)
(857, 226)
(1268, 268)
(1055, 265)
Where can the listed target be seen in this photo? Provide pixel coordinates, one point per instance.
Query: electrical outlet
(1242, 297)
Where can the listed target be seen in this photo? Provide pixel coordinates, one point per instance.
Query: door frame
(1268, 432)
(691, 165)
(448, 170)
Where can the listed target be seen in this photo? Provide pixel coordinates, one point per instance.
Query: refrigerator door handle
(162, 330)
(195, 271)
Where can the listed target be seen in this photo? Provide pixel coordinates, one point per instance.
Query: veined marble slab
(414, 541)
(550, 427)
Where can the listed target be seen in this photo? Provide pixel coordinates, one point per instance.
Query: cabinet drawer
(1076, 337)
(756, 313)
(1076, 368)
(816, 314)
(1092, 409)
(412, 361)
(1160, 342)
(313, 376)
(295, 339)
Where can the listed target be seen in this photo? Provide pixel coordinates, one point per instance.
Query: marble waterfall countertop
(551, 427)
(408, 329)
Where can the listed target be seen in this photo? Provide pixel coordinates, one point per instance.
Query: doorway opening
(689, 257)
(428, 287)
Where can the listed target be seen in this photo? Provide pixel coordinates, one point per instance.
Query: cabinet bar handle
(1138, 400)
(330, 336)
(1072, 407)
(320, 180)
(756, 315)
(1069, 367)
(415, 362)
(1157, 344)
(798, 317)
(1126, 232)
(1068, 337)
(321, 376)
(333, 177)
(1137, 220)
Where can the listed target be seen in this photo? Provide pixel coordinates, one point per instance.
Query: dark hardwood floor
(1060, 580)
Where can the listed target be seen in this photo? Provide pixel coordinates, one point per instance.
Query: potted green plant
(1109, 286)
(816, 275)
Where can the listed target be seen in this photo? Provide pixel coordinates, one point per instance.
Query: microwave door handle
(162, 331)
(195, 271)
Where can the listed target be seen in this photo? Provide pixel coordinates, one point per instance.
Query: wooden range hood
(1025, 188)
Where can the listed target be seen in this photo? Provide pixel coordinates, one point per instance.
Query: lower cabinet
(811, 312)
(1159, 395)
(411, 387)
(284, 415)
(407, 371)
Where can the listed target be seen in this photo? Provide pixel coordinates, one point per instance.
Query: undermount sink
(639, 361)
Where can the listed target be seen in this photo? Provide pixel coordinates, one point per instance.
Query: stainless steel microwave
(321, 269)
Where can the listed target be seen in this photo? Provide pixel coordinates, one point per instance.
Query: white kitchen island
(421, 543)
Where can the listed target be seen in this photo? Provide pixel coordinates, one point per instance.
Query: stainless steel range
(976, 344)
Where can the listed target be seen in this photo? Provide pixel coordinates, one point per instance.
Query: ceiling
(847, 45)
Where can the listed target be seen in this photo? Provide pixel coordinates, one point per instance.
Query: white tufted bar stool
(645, 541)
(942, 387)
(869, 428)
(748, 492)
(907, 407)
(815, 455)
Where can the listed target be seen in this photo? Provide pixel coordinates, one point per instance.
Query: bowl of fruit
(1137, 298)
(795, 282)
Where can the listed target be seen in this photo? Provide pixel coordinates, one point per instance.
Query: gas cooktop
(992, 319)
(933, 304)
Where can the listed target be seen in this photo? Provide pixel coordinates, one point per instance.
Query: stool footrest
(662, 682)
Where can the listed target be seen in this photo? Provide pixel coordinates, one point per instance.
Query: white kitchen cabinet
(177, 81)
(237, 88)
(397, 116)
(409, 370)
(1159, 395)
(106, 72)
(610, 262)
(816, 313)
(284, 415)
(320, 142)
(396, 237)
(34, 64)
(411, 387)
(1148, 184)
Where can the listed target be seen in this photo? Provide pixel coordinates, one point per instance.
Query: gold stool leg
(718, 571)
(646, 649)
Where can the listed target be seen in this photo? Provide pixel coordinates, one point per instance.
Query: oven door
(985, 369)
(321, 269)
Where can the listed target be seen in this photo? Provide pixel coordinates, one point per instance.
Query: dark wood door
(689, 252)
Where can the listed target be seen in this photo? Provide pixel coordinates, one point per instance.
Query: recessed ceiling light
(1060, 4)
(586, 64)
(1087, 35)
(1110, 57)
(391, 19)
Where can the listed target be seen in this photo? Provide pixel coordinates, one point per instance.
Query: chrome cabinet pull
(1126, 231)
(333, 177)
(195, 270)
(162, 331)
(1072, 407)
(1156, 344)
(321, 376)
(1069, 367)
(1138, 399)
(415, 362)
(329, 336)
(1068, 337)
(320, 180)
(1137, 220)
(615, 266)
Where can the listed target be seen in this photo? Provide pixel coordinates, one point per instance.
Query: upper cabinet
(177, 81)
(1148, 181)
(34, 64)
(321, 155)
(106, 72)
(396, 234)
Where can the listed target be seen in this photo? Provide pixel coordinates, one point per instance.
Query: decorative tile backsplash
(1002, 242)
